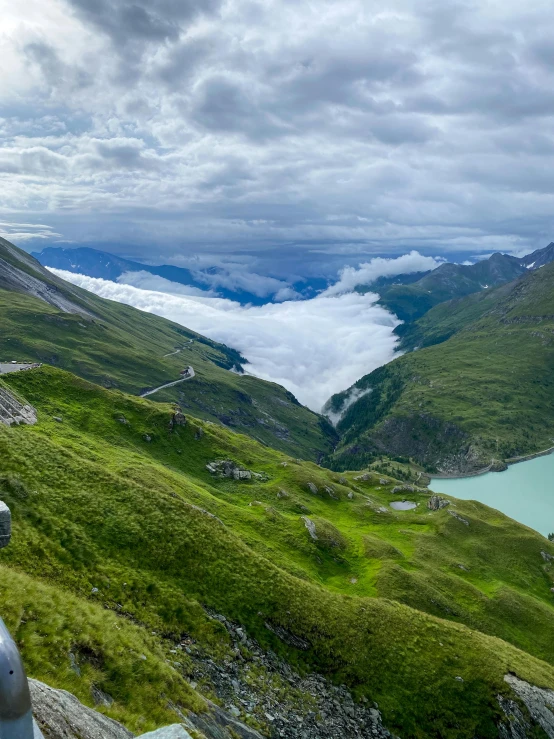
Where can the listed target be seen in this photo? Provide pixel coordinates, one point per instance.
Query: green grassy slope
(380, 595)
(481, 390)
(115, 345)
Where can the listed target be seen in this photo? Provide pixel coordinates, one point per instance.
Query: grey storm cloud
(322, 128)
(141, 20)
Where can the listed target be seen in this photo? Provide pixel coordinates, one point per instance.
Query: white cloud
(368, 272)
(354, 395)
(314, 348)
(237, 277)
(250, 125)
(147, 281)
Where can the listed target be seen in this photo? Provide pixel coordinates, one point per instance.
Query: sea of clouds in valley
(314, 347)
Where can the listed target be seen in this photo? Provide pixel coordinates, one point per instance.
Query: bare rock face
(310, 525)
(13, 412)
(61, 716)
(435, 503)
(175, 731)
(539, 703)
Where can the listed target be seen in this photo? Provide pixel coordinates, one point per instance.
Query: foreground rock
(252, 683)
(61, 716)
(539, 703)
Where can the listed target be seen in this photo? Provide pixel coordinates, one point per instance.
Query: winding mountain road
(169, 384)
(172, 354)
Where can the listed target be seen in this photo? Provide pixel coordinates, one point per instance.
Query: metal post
(16, 717)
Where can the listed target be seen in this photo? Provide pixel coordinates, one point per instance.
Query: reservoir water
(525, 491)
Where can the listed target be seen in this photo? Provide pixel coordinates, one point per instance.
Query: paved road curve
(6, 367)
(169, 384)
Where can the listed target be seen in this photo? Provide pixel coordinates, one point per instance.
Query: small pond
(402, 505)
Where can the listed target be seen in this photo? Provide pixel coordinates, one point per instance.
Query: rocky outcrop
(310, 525)
(175, 731)
(435, 503)
(177, 419)
(61, 716)
(13, 412)
(228, 468)
(459, 518)
(250, 681)
(539, 703)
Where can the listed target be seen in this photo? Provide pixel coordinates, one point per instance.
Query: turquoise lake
(525, 491)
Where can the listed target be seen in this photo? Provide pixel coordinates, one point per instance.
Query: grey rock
(175, 731)
(312, 487)
(199, 434)
(331, 493)
(282, 494)
(100, 698)
(14, 412)
(459, 518)
(61, 716)
(516, 726)
(365, 477)
(178, 419)
(123, 420)
(310, 525)
(228, 468)
(217, 723)
(538, 701)
(435, 503)
(403, 488)
(287, 636)
(147, 438)
(350, 495)
(286, 704)
(58, 419)
(5, 525)
(74, 666)
(547, 557)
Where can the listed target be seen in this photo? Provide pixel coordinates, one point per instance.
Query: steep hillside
(45, 319)
(479, 393)
(129, 536)
(411, 301)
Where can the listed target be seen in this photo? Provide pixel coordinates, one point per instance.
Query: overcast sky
(315, 131)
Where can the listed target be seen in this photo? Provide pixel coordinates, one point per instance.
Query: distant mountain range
(409, 296)
(410, 301)
(94, 263)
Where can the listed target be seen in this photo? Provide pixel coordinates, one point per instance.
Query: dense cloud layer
(172, 127)
(314, 348)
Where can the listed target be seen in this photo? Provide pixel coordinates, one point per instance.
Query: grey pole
(16, 717)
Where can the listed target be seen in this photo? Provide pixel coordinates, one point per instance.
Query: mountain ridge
(45, 319)
(477, 392)
(448, 281)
